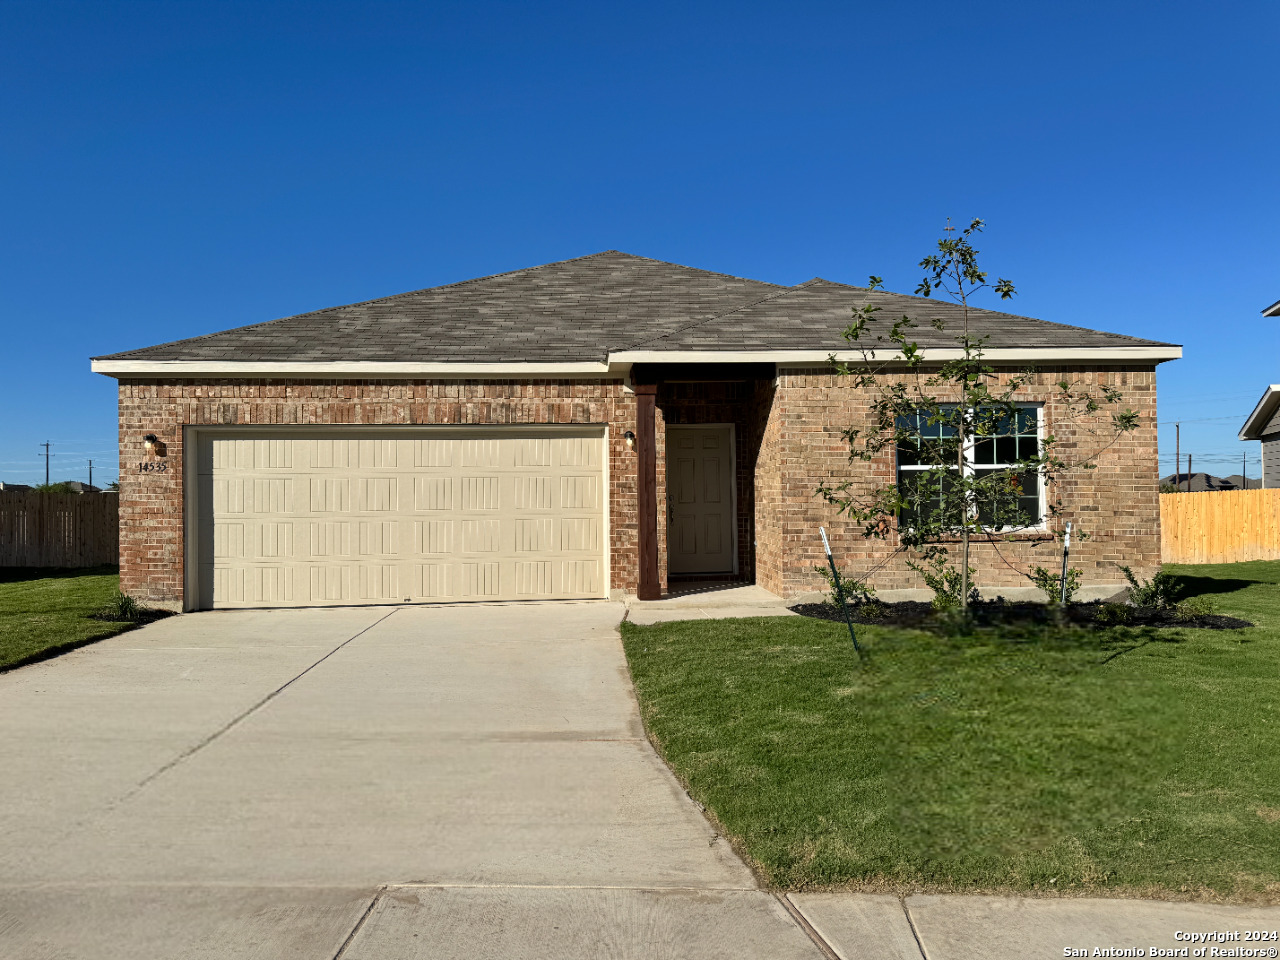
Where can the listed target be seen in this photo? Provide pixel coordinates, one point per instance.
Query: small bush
(124, 607)
(1194, 607)
(944, 580)
(856, 593)
(1113, 614)
(1051, 583)
(1159, 593)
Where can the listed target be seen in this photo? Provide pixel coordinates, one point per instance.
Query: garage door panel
(433, 536)
(301, 519)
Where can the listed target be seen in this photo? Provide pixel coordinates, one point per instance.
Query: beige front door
(318, 516)
(700, 499)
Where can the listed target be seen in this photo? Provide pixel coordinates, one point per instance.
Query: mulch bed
(910, 613)
(144, 616)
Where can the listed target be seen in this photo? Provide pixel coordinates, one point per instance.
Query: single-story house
(604, 425)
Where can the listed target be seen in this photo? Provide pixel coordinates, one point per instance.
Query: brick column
(650, 588)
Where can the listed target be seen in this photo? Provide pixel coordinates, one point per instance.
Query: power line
(1170, 423)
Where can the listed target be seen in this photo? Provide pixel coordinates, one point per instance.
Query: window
(1014, 501)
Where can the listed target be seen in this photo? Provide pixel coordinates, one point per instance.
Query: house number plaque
(153, 466)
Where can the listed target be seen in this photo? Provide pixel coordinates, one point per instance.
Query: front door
(700, 500)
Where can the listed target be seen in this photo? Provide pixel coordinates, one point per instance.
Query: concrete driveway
(398, 782)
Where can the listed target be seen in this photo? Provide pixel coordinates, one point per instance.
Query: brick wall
(788, 441)
(151, 503)
(1117, 504)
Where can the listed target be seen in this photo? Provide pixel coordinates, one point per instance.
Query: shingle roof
(813, 315)
(586, 308)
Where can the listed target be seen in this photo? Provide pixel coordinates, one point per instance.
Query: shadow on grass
(1111, 642)
(23, 574)
(48, 653)
(1192, 586)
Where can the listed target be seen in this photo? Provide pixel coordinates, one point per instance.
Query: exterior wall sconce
(631, 440)
(149, 443)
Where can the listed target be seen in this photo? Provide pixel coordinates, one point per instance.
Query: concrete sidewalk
(874, 927)
(708, 601)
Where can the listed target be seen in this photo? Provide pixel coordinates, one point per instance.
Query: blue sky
(176, 168)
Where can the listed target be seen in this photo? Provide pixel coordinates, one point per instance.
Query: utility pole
(1244, 470)
(1177, 456)
(1188, 472)
(46, 461)
(90, 473)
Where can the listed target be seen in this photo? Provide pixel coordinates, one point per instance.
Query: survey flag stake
(844, 607)
(1066, 549)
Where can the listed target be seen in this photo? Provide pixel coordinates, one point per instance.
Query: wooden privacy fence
(59, 529)
(1226, 526)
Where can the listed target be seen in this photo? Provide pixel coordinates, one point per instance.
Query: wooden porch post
(647, 493)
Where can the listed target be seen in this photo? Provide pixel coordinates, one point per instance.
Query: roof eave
(1149, 353)
(1266, 406)
(617, 364)
(334, 369)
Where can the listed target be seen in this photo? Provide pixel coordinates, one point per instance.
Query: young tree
(975, 459)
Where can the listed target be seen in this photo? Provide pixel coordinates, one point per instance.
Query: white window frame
(970, 467)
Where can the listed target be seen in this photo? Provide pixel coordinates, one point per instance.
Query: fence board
(59, 529)
(1225, 526)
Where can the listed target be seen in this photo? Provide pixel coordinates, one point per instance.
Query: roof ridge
(718, 316)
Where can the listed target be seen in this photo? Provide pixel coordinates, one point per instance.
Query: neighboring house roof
(1262, 421)
(599, 313)
(1207, 482)
(1273, 310)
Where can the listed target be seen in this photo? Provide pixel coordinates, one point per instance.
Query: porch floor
(708, 601)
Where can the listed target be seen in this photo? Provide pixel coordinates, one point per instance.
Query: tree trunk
(964, 529)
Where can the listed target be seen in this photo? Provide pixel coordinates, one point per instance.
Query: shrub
(1194, 607)
(1113, 614)
(124, 607)
(1159, 593)
(856, 592)
(1051, 583)
(945, 581)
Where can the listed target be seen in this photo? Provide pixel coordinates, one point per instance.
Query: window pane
(1028, 447)
(1007, 499)
(1030, 509)
(984, 451)
(1006, 450)
(929, 498)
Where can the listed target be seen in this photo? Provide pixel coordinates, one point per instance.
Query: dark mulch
(143, 616)
(999, 612)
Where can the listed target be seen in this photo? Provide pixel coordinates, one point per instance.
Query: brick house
(580, 429)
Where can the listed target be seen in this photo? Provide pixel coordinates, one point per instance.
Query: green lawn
(1135, 761)
(43, 612)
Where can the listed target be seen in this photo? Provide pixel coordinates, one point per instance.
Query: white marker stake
(1066, 549)
(835, 576)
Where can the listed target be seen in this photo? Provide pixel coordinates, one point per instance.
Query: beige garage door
(339, 518)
